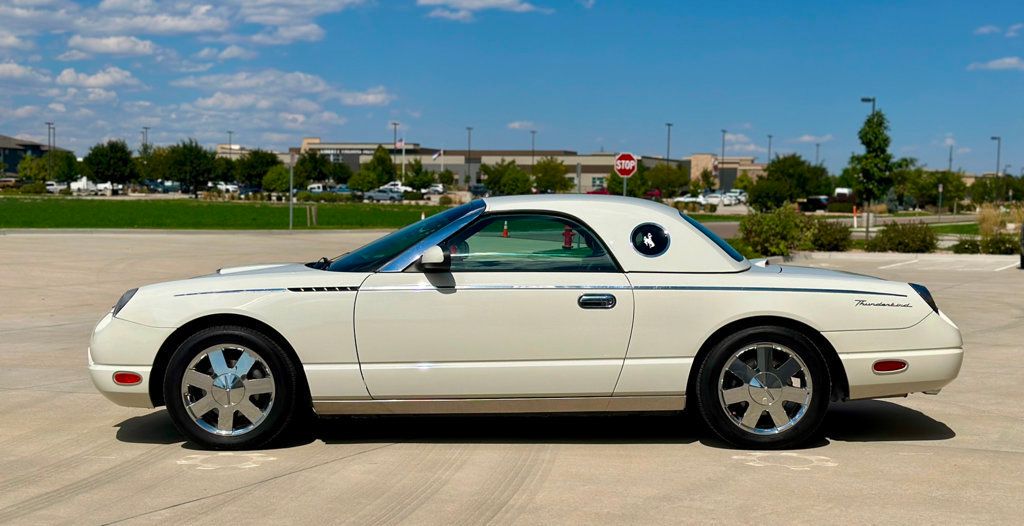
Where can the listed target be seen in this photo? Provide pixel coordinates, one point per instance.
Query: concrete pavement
(67, 456)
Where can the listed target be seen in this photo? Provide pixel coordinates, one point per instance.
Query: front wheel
(231, 388)
(764, 387)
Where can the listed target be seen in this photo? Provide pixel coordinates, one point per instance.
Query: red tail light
(889, 366)
(127, 378)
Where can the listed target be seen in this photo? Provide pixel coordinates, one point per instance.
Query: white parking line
(898, 264)
(1012, 265)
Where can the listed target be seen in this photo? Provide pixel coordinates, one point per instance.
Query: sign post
(625, 166)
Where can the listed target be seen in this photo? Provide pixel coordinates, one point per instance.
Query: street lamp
(668, 141)
(145, 136)
(817, 152)
(469, 152)
(999, 151)
(51, 140)
(394, 127)
(871, 100)
(769, 147)
(721, 161)
(533, 148)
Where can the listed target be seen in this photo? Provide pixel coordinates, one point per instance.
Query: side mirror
(435, 259)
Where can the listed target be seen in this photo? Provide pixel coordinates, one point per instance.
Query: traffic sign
(625, 165)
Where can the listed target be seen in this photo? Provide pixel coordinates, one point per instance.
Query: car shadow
(859, 421)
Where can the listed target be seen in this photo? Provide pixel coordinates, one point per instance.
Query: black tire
(722, 419)
(289, 401)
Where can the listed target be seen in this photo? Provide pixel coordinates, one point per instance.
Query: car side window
(528, 243)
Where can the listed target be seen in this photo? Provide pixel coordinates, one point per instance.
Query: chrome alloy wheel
(228, 390)
(765, 388)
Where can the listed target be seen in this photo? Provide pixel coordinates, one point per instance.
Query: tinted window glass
(528, 243)
(711, 235)
(371, 257)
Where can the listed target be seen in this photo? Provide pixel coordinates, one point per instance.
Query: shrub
(446, 200)
(990, 220)
(904, 237)
(967, 245)
(304, 196)
(65, 191)
(412, 196)
(830, 236)
(1000, 244)
(37, 187)
(711, 208)
(841, 208)
(775, 233)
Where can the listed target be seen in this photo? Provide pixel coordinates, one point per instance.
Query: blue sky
(585, 74)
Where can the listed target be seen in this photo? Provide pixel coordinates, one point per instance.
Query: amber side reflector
(127, 378)
(889, 366)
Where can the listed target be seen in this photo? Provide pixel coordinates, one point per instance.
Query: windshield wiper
(321, 263)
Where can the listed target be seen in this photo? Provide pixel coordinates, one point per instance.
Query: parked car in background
(814, 203)
(843, 195)
(599, 191)
(83, 186)
(8, 182)
(383, 194)
(436, 189)
(699, 199)
(740, 195)
(479, 190)
(341, 189)
(54, 187)
(397, 186)
(316, 188)
(109, 187)
(230, 188)
(246, 191)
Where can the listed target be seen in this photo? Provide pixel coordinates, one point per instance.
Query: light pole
(394, 140)
(721, 161)
(469, 152)
(668, 141)
(533, 149)
(145, 136)
(949, 168)
(817, 152)
(999, 151)
(769, 147)
(51, 138)
(871, 100)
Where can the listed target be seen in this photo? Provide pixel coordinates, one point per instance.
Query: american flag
(400, 144)
(437, 154)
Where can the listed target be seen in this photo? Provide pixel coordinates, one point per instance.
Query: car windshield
(374, 255)
(733, 253)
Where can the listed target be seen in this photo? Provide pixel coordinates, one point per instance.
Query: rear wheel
(764, 387)
(231, 388)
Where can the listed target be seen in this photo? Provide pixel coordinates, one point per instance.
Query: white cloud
(1005, 63)
(57, 106)
(133, 6)
(292, 121)
(949, 140)
(12, 41)
(520, 125)
(231, 52)
(986, 30)
(465, 10)
(808, 138)
(72, 54)
(376, 96)
(19, 113)
(738, 142)
(266, 81)
(287, 34)
(117, 45)
(225, 101)
(736, 137)
(17, 72)
(196, 19)
(285, 12)
(963, 150)
(1014, 30)
(112, 76)
(587, 4)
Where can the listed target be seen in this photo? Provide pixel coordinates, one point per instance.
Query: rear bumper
(927, 370)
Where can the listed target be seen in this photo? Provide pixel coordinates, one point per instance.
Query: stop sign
(625, 165)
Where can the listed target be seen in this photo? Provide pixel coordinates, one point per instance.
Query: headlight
(925, 295)
(125, 298)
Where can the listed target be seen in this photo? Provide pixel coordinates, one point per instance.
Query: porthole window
(650, 240)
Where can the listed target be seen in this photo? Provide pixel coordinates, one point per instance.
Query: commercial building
(588, 171)
(13, 150)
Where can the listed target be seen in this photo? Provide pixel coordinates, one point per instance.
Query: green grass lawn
(961, 229)
(18, 212)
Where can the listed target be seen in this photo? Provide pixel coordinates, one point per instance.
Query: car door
(534, 306)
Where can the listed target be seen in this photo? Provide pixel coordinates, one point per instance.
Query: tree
(906, 175)
(254, 165)
(637, 186)
(311, 166)
(670, 180)
(381, 166)
(788, 178)
(769, 193)
(363, 181)
(925, 188)
(225, 169)
(874, 166)
(340, 173)
(276, 179)
(743, 182)
(110, 162)
(192, 165)
(549, 176)
(60, 166)
(505, 178)
(417, 176)
(32, 168)
(446, 177)
(707, 180)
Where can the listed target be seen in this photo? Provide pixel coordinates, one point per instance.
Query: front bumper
(121, 345)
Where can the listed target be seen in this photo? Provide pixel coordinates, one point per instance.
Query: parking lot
(69, 456)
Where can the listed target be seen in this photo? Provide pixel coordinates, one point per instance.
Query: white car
(54, 187)
(541, 303)
(396, 186)
(739, 195)
(229, 188)
(699, 199)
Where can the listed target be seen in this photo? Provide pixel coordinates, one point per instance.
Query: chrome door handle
(596, 301)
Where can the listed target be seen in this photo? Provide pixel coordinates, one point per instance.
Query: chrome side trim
(403, 260)
(588, 404)
(498, 287)
(628, 287)
(767, 289)
(234, 291)
(323, 289)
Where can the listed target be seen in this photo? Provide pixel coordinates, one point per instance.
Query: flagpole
(403, 159)
(442, 159)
